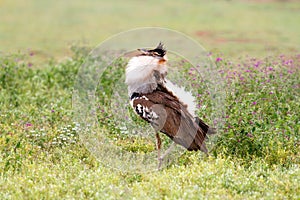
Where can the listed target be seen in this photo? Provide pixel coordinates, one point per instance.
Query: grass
(216, 178)
(256, 155)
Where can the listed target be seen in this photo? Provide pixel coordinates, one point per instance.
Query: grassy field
(233, 27)
(255, 47)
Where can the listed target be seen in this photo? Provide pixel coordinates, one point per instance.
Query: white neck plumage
(140, 74)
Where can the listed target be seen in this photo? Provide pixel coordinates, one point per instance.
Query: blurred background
(234, 28)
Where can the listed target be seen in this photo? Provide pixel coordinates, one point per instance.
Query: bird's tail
(207, 130)
(199, 144)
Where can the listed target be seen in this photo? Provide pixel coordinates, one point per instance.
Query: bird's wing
(167, 114)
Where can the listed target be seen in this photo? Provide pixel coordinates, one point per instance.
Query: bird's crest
(161, 46)
(160, 49)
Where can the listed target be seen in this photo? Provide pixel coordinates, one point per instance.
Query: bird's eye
(158, 53)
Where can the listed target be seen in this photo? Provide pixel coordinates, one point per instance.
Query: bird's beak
(144, 51)
(131, 54)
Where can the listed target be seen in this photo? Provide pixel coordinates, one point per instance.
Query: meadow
(256, 155)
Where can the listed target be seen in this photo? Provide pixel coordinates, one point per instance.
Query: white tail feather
(184, 96)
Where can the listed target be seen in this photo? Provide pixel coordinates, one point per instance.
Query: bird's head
(159, 53)
(144, 64)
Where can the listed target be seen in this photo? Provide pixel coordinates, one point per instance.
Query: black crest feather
(161, 46)
(160, 49)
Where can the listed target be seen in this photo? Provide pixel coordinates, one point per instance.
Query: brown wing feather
(173, 119)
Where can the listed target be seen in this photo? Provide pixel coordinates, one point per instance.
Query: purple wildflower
(249, 135)
(287, 62)
(257, 64)
(28, 124)
(218, 59)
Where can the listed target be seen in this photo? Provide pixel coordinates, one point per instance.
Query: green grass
(256, 155)
(69, 177)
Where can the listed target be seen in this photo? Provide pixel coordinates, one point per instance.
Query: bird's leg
(168, 151)
(161, 158)
(158, 146)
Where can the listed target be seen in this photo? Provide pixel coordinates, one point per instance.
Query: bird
(153, 98)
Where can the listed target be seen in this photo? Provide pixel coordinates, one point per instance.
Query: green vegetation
(256, 155)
